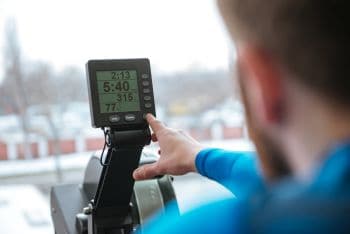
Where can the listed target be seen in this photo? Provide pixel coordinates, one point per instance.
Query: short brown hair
(310, 38)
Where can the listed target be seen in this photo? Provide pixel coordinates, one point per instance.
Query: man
(293, 58)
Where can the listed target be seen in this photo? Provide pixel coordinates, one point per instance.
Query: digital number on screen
(118, 91)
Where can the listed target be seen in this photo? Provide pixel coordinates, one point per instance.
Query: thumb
(146, 172)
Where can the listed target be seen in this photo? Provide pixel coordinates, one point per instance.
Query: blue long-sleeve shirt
(322, 206)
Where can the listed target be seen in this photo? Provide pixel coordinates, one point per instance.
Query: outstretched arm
(180, 154)
(238, 171)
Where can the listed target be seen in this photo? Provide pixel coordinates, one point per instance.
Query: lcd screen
(118, 91)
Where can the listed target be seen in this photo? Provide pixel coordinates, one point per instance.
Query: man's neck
(315, 127)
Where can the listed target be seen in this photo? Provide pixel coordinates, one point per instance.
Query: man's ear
(263, 85)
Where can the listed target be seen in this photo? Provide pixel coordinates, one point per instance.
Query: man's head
(293, 58)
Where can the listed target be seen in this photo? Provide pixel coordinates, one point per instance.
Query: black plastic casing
(142, 67)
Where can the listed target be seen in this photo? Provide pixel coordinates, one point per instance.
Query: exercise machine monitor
(120, 93)
(109, 201)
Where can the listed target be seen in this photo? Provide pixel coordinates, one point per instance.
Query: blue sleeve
(227, 216)
(238, 171)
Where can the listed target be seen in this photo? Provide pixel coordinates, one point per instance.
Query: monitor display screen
(118, 91)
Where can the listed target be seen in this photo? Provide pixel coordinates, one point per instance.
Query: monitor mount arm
(110, 210)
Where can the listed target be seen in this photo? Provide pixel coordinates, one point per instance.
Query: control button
(144, 116)
(145, 83)
(147, 98)
(114, 118)
(145, 76)
(146, 90)
(130, 117)
(148, 105)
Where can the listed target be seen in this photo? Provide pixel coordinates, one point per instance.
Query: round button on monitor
(114, 118)
(130, 118)
(145, 76)
(147, 98)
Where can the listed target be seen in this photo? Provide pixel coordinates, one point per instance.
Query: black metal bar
(116, 183)
(111, 205)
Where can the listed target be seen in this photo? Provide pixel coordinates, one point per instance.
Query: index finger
(155, 124)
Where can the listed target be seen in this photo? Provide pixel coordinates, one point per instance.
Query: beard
(272, 159)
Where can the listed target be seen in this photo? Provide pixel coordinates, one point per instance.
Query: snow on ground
(23, 209)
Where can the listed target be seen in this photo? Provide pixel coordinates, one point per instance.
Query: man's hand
(178, 152)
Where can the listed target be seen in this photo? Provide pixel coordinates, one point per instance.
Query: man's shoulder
(294, 208)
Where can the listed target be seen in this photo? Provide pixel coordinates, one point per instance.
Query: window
(45, 131)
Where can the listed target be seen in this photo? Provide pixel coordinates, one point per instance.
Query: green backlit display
(118, 91)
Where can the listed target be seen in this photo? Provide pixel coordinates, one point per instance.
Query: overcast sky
(174, 34)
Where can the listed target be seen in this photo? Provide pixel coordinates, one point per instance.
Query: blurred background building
(45, 132)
